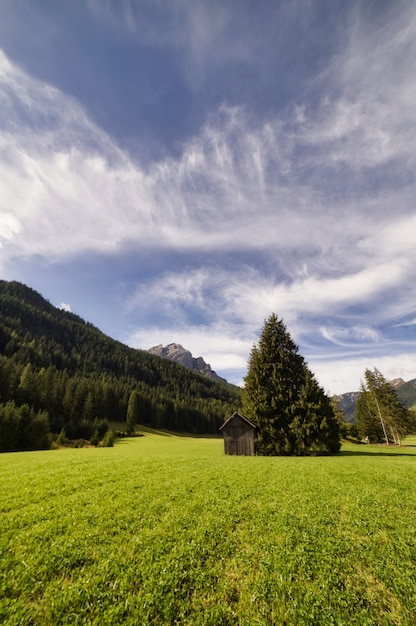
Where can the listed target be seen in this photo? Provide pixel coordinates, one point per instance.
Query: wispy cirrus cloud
(366, 106)
(344, 336)
(317, 194)
(64, 172)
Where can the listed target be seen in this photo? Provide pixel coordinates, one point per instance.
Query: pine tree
(281, 396)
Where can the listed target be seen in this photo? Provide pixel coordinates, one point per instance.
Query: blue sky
(177, 170)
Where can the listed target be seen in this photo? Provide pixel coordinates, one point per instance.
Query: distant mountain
(347, 403)
(406, 392)
(397, 382)
(177, 353)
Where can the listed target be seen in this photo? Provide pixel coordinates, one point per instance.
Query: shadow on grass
(375, 452)
(141, 430)
(147, 430)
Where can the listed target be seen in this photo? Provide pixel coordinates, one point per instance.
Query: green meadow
(169, 530)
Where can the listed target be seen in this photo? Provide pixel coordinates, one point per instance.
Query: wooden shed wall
(238, 438)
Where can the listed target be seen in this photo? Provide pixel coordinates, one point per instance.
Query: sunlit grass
(410, 440)
(165, 530)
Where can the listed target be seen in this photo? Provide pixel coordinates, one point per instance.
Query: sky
(178, 170)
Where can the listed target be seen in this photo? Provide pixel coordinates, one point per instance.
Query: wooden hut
(239, 435)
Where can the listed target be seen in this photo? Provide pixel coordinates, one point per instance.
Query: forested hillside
(59, 373)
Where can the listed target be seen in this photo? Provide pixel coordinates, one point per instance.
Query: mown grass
(169, 530)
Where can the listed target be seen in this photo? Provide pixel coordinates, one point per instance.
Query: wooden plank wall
(238, 439)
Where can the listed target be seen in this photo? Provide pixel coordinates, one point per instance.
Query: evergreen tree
(21, 428)
(26, 391)
(315, 425)
(380, 414)
(366, 418)
(132, 411)
(281, 396)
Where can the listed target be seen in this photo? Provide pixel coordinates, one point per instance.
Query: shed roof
(241, 417)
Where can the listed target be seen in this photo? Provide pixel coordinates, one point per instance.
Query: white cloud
(343, 336)
(344, 375)
(255, 294)
(409, 323)
(324, 193)
(371, 119)
(65, 307)
(9, 226)
(237, 304)
(235, 187)
(225, 348)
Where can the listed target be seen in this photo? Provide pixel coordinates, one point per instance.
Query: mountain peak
(397, 382)
(177, 353)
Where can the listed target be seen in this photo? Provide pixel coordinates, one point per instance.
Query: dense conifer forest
(61, 376)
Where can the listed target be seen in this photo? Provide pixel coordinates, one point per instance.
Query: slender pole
(381, 419)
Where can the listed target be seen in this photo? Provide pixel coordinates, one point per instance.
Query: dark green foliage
(133, 409)
(315, 425)
(282, 397)
(109, 438)
(61, 439)
(59, 365)
(22, 428)
(380, 413)
(367, 421)
(349, 430)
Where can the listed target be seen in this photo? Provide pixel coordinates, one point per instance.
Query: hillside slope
(407, 392)
(55, 362)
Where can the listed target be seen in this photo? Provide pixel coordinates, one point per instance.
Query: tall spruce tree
(281, 396)
(316, 425)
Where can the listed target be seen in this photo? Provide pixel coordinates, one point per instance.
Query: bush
(61, 439)
(349, 430)
(95, 439)
(79, 443)
(108, 441)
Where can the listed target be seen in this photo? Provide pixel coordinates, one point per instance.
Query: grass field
(169, 530)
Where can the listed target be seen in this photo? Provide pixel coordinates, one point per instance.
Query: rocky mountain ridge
(177, 353)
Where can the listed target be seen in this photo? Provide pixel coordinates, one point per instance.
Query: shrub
(108, 441)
